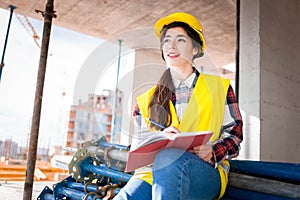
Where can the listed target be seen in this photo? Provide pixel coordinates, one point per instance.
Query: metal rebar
(28, 186)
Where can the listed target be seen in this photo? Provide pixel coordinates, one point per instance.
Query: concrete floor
(14, 190)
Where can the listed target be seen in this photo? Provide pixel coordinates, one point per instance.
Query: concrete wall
(269, 79)
(280, 75)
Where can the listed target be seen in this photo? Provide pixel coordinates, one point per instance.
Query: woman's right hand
(171, 130)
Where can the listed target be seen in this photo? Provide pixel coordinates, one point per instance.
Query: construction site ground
(12, 178)
(13, 190)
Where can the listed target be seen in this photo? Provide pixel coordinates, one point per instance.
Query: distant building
(22, 153)
(1, 148)
(92, 119)
(43, 154)
(8, 148)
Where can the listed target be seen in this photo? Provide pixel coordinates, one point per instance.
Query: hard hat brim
(170, 19)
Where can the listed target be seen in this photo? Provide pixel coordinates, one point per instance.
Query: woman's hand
(205, 152)
(171, 130)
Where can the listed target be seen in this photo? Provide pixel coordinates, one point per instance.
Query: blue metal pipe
(90, 188)
(48, 197)
(238, 194)
(73, 194)
(104, 144)
(103, 170)
(69, 188)
(6, 38)
(280, 171)
(80, 186)
(46, 194)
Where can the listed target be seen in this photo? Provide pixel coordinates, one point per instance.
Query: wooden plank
(39, 174)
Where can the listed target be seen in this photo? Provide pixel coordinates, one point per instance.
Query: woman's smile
(173, 54)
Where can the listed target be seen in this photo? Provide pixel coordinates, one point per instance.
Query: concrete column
(249, 92)
(269, 79)
(148, 67)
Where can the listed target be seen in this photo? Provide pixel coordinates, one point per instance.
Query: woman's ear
(195, 51)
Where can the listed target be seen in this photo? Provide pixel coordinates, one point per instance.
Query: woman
(185, 101)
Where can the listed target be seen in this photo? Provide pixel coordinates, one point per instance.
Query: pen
(155, 123)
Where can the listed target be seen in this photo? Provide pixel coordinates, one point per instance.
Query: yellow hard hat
(180, 17)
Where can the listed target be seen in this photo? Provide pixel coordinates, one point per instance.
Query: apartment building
(92, 119)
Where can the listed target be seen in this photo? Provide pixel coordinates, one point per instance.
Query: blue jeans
(177, 174)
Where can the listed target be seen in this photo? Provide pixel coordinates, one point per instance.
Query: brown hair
(159, 105)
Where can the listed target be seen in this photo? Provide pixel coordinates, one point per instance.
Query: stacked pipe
(97, 172)
(263, 180)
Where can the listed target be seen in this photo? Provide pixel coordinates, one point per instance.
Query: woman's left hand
(203, 151)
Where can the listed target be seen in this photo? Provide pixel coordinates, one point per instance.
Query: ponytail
(159, 105)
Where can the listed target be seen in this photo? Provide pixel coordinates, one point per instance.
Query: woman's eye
(181, 40)
(166, 40)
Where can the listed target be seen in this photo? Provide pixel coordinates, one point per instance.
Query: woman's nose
(172, 45)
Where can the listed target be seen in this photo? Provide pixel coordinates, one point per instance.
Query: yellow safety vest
(205, 111)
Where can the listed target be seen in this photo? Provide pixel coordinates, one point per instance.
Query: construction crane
(29, 28)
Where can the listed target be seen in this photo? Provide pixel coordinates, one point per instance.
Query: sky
(68, 50)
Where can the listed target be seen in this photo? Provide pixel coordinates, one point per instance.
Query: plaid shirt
(228, 145)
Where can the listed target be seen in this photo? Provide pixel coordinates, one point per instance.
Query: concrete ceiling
(132, 20)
